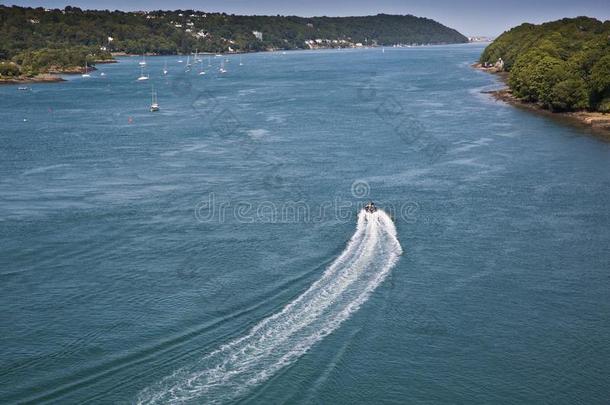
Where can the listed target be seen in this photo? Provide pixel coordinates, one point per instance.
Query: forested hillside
(562, 65)
(24, 30)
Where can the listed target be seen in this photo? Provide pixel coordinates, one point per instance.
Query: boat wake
(280, 339)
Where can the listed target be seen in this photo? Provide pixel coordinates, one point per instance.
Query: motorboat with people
(370, 207)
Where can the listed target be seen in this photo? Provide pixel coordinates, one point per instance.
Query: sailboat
(240, 63)
(143, 61)
(154, 104)
(142, 76)
(165, 69)
(197, 59)
(201, 71)
(222, 67)
(188, 64)
(86, 74)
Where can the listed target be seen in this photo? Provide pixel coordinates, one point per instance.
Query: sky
(470, 17)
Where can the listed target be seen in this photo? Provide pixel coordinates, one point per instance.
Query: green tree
(562, 65)
(570, 94)
(9, 69)
(600, 84)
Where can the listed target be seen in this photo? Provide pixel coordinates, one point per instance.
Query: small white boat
(154, 104)
(165, 69)
(143, 61)
(240, 62)
(222, 69)
(142, 76)
(23, 88)
(86, 74)
(102, 74)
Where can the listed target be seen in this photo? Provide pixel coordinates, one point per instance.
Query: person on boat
(370, 207)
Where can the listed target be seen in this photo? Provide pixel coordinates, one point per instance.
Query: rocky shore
(52, 76)
(42, 78)
(598, 123)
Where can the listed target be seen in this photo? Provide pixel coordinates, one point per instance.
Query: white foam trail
(280, 339)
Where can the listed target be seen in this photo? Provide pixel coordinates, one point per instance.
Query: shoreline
(42, 78)
(53, 76)
(597, 123)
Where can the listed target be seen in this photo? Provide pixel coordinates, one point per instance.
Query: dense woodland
(563, 65)
(37, 39)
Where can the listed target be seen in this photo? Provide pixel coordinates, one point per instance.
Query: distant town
(480, 39)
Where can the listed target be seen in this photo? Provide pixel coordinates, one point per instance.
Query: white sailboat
(154, 104)
(86, 73)
(222, 67)
(143, 61)
(240, 62)
(188, 64)
(201, 71)
(165, 69)
(142, 76)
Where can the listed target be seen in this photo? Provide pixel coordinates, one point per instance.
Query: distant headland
(39, 41)
(562, 67)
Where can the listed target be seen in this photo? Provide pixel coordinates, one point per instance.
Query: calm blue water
(143, 255)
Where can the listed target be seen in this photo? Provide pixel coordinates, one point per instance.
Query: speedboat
(370, 207)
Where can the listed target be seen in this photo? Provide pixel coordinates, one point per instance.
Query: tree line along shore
(561, 66)
(35, 41)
